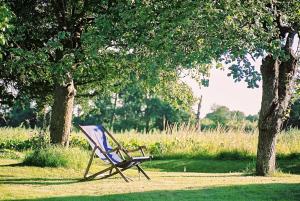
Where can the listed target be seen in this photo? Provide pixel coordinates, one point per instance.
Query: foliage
(100, 44)
(138, 107)
(5, 17)
(144, 38)
(252, 118)
(22, 114)
(122, 35)
(221, 116)
(57, 157)
(294, 116)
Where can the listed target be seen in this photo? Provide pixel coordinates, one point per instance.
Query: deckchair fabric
(97, 137)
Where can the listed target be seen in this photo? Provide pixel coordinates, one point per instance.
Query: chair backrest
(97, 136)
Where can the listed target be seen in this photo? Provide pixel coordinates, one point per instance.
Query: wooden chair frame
(118, 149)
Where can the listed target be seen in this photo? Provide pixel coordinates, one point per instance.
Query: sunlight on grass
(212, 165)
(45, 183)
(248, 192)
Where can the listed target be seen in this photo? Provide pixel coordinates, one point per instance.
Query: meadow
(184, 142)
(187, 165)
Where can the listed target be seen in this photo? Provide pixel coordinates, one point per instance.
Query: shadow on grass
(204, 166)
(253, 192)
(290, 166)
(5, 176)
(39, 181)
(217, 166)
(207, 165)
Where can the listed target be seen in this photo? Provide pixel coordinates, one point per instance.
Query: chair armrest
(140, 148)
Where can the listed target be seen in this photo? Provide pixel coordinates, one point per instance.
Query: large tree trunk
(62, 111)
(277, 79)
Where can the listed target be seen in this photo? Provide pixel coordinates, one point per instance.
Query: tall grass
(187, 142)
(17, 138)
(183, 142)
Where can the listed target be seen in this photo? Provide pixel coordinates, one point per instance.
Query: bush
(55, 156)
(77, 140)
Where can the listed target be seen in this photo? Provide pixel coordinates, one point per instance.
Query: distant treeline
(134, 107)
(128, 110)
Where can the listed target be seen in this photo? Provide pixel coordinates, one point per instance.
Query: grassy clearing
(219, 166)
(34, 183)
(190, 168)
(244, 192)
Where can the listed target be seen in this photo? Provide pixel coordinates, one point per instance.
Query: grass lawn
(204, 180)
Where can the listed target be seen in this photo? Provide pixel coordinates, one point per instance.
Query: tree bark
(112, 118)
(198, 123)
(62, 111)
(278, 78)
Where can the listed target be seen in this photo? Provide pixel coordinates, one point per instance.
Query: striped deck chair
(118, 158)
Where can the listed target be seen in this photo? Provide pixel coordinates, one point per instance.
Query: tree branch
(283, 29)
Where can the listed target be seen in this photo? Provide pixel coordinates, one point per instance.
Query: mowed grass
(168, 182)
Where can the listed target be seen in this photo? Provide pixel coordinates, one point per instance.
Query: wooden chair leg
(139, 174)
(144, 173)
(90, 163)
(98, 173)
(120, 172)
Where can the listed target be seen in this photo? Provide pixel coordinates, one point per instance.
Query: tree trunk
(62, 111)
(277, 77)
(198, 123)
(112, 118)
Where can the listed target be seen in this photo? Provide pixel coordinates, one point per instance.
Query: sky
(222, 90)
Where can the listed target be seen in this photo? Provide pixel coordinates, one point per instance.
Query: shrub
(54, 156)
(78, 141)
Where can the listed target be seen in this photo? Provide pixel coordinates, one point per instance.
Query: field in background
(210, 144)
(182, 143)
